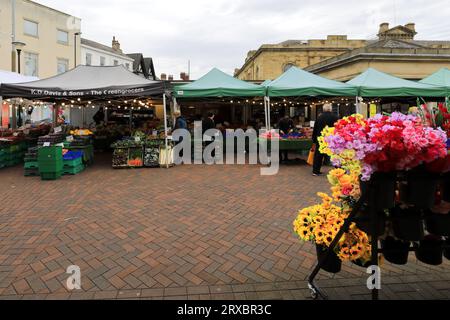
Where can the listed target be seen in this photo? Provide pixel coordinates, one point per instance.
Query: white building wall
(109, 57)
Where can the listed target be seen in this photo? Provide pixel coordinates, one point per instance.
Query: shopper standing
(327, 118)
(286, 126)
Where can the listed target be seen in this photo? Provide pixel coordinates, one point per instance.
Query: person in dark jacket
(208, 123)
(180, 121)
(327, 118)
(286, 126)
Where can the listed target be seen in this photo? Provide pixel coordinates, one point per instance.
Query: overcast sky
(219, 33)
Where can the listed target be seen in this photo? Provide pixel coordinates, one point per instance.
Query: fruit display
(81, 132)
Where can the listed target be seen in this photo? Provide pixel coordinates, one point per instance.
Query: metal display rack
(368, 199)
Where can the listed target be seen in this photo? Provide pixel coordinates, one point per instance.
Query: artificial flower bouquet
(321, 223)
(382, 143)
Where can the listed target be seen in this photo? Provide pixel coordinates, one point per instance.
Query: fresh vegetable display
(120, 158)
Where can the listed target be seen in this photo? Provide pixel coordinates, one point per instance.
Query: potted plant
(407, 223)
(430, 250)
(395, 251)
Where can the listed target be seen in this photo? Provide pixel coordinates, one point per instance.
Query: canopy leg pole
(268, 112)
(13, 117)
(165, 131)
(265, 113)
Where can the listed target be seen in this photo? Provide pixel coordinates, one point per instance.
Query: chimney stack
(184, 76)
(163, 76)
(384, 27)
(411, 26)
(116, 45)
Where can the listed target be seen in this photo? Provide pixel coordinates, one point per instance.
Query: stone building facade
(395, 51)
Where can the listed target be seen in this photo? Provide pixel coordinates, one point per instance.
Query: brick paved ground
(196, 232)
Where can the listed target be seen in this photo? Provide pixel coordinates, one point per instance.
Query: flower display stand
(370, 200)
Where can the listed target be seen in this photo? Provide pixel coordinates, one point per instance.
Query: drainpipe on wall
(13, 35)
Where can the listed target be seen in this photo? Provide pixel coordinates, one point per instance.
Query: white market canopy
(99, 82)
(14, 77)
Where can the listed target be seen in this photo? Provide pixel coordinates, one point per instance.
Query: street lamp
(75, 46)
(19, 46)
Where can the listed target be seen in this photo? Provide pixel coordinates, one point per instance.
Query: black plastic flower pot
(383, 185)
(407, 224)
(332, 263)
(420, 189)
(438, 224)
(359, 263)
(395, 251)
(447, 248)
(363, 222)
(430, 250)
(446, 187)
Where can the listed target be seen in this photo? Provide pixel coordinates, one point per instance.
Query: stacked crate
(73, 162)
(31, 162)
(12, 153)
(50, 162)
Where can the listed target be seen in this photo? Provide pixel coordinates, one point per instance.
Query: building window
(102, 61)
(63, 37)
(127, 65)
(88, 59)
(31, 64)
(116, 63)
(30, 28)
(287, 66)
(63, 65)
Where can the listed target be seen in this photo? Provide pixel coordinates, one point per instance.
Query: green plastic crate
(31, 164)
(48, 153)
(73, 170)
(50, 175)
(43, 167)
(73, 163)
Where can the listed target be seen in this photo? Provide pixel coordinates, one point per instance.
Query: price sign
(69, 138)
(46, 144)
(137, 139)
(58, 129)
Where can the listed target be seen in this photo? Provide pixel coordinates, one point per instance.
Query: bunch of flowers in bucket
(382, 143)
(321, 223)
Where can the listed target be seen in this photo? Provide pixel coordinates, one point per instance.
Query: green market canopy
(374, 83)
(218, 84)
(87, 82)
(297, 82)
(440, 78)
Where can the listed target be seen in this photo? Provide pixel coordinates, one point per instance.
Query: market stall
(440, 78)
(8, 108)
(113, 91)
(220, 91)
(296, 83)
(374, 83)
